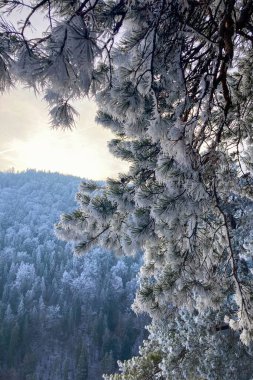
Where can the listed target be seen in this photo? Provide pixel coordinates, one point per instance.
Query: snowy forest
(173, 82)
(61, 317)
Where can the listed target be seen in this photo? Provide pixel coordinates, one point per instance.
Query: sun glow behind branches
(27, 141)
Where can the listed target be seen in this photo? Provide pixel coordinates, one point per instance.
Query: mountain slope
(61, 317)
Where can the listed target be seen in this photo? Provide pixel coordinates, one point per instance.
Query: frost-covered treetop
(173, 81)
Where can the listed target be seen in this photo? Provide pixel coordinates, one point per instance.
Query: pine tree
(14, 343)
(145, 366)
(173, 81)
(66, 370)
(108, 362)
(82, 365)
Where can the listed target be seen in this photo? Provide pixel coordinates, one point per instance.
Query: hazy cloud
(27, 141)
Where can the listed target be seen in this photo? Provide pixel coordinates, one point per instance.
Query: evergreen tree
(14, 342)
(66, 371)
(108, 362)
(82, 365)
(173, 81)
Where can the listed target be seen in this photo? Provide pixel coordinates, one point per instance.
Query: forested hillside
(61, 316)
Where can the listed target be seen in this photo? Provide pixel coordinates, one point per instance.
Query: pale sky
(28, 141)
